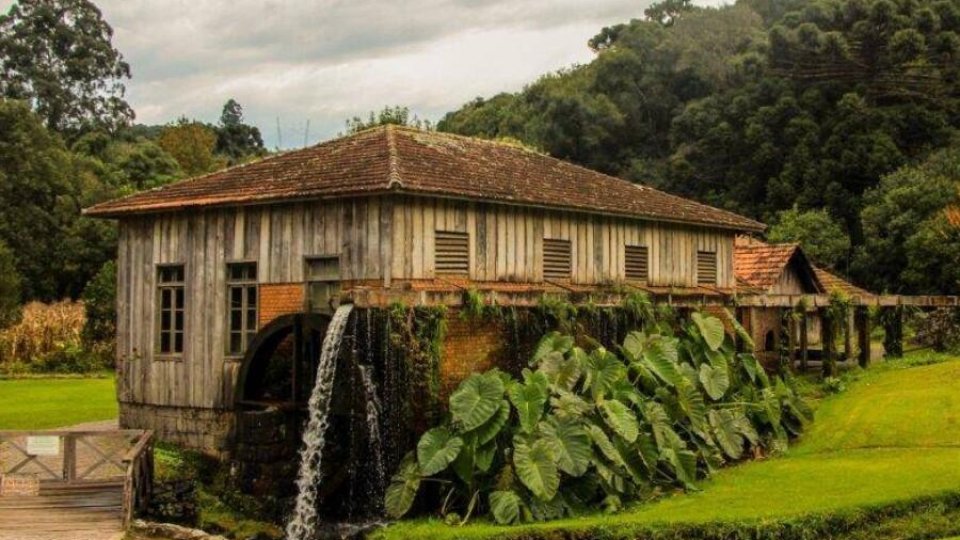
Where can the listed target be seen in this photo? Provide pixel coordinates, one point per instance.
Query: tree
(667, 12)
(396, 115)
(58, 56)
(37, 198)
(100, 305)
(236, 140)
(910, 245)
(821, 238)
(9, 288)
(192, 144)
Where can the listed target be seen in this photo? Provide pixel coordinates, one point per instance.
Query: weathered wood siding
(377, 238)
(506, 243)
(277, 237)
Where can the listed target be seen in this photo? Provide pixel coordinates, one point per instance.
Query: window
(556, 259)
(242, 305)
(452, 252)
(170, 279)
(636, 262)
(706, 268)
(323, 283)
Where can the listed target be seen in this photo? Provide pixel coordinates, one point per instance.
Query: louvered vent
(636, 263)
(706, 268)
(556, 259)
(452, 253)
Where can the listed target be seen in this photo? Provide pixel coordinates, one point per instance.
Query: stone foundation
(208, 430)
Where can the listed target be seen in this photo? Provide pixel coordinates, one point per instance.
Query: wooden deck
(91, 510)
(87, 485)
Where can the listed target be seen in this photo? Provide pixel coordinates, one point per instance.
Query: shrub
(48, 339)
(598, 429)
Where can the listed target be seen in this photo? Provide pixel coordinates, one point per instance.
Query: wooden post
(791, 339)
(848, 337)
(804, 338)
(69, 458)
(892, 318)
(862, 323)
(827, 339)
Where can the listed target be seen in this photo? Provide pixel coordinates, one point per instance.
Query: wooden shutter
(452, 253)
(556, 259)
(706, 268)
(636, 263)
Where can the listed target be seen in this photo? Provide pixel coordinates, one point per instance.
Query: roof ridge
(640, 186)
(394, 180)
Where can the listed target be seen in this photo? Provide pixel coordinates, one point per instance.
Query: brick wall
(470, 346)
(279, 299)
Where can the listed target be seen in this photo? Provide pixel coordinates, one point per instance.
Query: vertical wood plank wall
(506, 243)
(384, 238)
(277, 237)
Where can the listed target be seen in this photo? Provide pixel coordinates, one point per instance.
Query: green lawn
(892, 436)
(50, 403)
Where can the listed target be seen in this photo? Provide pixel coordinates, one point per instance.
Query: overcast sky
(323, 61)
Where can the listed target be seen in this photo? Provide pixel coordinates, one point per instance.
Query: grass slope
(50, 403)
(893, 436)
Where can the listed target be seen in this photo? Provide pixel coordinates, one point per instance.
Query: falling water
(303, 524)
(373, 430)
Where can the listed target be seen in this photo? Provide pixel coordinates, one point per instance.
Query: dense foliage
(820, 236)
(9, 288)
(58, 55)
(596, 429)
(758, 107)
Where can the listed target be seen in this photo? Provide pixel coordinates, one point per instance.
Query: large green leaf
(711, 328)
(535, 465)
(528, 399)
(505, 506)
(571, 444)
(633, 344)
(726, 433)
(553, 342)
(691, 403)
(484, 456)
(603, 370)
(476, 400)
(563, 371)
(740, 330)
(437, 449)
(600, 438)
(621, 419)
(570, 405)
(660, 357)
(403, 488)
(491, 428)
(714, 380)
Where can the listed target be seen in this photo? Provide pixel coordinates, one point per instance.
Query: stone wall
(209, 430)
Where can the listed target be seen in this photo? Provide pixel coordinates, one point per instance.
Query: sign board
(44, 445)
(19, 484)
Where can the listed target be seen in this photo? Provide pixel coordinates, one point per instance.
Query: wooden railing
(64, 459)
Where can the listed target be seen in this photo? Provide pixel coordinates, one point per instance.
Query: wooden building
(209, 265)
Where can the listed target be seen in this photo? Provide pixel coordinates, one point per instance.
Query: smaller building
(784, 270)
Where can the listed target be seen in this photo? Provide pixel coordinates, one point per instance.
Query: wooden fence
(40, 462)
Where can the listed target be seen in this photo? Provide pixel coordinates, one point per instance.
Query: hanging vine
(416, 336)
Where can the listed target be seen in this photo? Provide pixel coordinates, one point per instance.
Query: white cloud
(326, 60)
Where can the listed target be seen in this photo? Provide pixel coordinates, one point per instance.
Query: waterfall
(373, 434)
(303, 524)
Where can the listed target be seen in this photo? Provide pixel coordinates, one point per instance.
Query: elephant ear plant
(583, 430)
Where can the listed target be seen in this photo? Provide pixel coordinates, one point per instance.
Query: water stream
(303, 524)
(373, 434)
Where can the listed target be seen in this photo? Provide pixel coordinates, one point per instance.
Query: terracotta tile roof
(406, 160)
(833, 282)
(759, 265)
